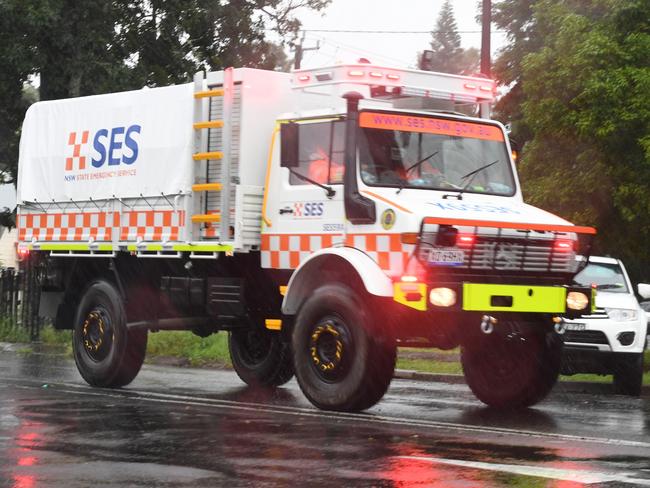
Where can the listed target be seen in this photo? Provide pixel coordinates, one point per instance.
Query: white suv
(613, 338)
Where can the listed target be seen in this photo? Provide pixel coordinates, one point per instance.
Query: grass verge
(452, 366)
(198, 351)
(11, 333)
(192, 350)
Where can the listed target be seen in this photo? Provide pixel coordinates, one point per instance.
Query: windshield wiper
(330, 191)
(403, 183)
(471, 176)
(609, 286)
(408, 170)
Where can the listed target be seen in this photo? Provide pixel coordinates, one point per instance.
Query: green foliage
(448, 56)
(580, 100)
(99, 46)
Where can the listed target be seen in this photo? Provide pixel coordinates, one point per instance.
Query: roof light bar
(408, 82)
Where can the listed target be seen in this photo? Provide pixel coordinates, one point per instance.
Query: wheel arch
(78, 277)
(346, 264)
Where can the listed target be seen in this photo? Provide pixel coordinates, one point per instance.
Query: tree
(447, 54)
(16, 63)
(583, 96)
(98, 46)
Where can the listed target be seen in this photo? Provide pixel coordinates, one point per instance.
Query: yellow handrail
(265, 219)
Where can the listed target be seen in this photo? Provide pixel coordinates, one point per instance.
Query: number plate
(570, 326)
(446, 255)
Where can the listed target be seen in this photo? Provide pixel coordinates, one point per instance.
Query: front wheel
(259, 357)
(343, 359)
(514, 367)
(628, 374)
(106, 352)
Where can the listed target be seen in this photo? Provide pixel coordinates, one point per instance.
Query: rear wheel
(107, 354)
(514, 367)
(628, 374)
(343, 360)
(259, 357)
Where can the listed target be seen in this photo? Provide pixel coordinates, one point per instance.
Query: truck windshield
(433, 153)
(606, 277)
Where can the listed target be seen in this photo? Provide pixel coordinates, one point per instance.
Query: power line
(350, 31)
(339, 45)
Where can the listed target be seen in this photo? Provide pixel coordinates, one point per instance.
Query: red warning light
(465, 240)
(563, 245)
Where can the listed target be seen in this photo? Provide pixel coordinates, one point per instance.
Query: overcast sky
(417, 17)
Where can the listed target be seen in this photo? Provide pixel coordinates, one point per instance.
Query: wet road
(200, 428)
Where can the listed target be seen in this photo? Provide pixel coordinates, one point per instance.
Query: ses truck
(322, 218)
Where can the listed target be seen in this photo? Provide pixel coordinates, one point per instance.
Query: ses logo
(308, 209)
(110, 147)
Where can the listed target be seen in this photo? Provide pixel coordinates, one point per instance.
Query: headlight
(442, 297)
(576, 300)
(621, 314)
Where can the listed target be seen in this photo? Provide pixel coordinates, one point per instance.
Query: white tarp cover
(121, 144)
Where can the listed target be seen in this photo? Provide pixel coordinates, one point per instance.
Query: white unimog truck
(322, 218)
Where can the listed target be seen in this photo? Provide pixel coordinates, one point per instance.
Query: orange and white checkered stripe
(287, 251)
(146, 225)
(71, 226)
(151, 225)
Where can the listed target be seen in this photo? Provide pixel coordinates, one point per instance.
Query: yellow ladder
(224, 187)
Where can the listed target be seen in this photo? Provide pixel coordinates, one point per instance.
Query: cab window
(320, 153)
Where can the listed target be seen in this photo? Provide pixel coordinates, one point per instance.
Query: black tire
(259, 357)
(514, 367)
(343, 361)
(628, 374)
(107, 354)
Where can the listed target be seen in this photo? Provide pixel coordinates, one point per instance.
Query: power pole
(299, 50)
(485, 38)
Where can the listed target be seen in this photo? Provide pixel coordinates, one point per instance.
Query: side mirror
(644, 290)
(289, 145)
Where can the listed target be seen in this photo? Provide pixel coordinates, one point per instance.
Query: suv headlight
(621, 314)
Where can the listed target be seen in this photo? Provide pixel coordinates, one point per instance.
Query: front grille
(508, 254)
(585, 337)
(598, 313)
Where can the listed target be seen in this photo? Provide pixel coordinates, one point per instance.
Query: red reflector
(304, 78)
(465, 240)
(392, 77)
(563, 245)
(23, 253)
(413, 297)
(470, 86)
(356, 73)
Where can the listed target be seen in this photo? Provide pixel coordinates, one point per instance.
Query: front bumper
(491, 297)
(605, 335)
